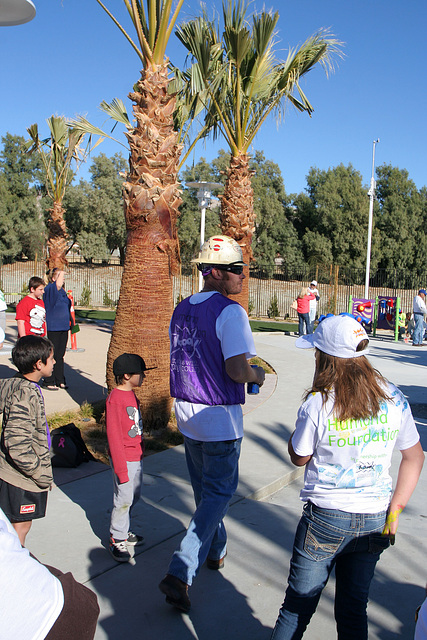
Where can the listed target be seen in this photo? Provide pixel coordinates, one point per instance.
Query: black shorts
(20, 505)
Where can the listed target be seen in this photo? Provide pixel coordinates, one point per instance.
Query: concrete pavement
(242, 601)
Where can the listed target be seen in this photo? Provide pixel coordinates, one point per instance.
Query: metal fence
(270, 293)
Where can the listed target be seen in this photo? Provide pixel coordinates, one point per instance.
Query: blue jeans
(418, 335)
(214, 471)
(327, 538)
(304, 318)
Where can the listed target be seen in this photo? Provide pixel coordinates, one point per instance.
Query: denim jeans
(304, 318)
(418, 335)
(327, 538)
(213, 469)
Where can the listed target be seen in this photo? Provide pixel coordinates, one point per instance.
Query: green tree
(332, 219)
(94, 210)
(274, 236)
(401, 221)
(107, 178)
(241, 82)
(22, 225)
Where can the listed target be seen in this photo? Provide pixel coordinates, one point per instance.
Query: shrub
(273, 309)
(106, 300)
(85, 295)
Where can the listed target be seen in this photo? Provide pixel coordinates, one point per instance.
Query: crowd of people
(347, 427)
(411, 325)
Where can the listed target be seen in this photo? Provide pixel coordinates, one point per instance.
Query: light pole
(204, 197)
(371, 194)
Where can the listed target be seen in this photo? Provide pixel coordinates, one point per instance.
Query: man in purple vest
(211, 341)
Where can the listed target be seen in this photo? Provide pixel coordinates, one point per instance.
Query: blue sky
(72, 56)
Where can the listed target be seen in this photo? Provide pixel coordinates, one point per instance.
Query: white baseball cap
(314, 282)
(337, 336)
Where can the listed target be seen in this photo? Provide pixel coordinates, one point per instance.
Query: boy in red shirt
(126, 445)
(30, 311)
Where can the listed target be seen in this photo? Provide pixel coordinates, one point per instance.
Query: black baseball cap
(129, 363)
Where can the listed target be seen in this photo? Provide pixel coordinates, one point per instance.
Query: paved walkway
(242, 601)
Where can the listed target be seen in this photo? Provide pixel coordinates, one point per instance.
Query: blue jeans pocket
(320, 544)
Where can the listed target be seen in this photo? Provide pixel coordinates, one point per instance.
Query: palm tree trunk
(57, 238)
(237, 214)
(151, 200)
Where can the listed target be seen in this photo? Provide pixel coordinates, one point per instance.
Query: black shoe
(176, 592)
(215, 564)
(134, 539)
(119, 550)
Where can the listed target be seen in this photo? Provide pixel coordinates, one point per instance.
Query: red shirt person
(30, 311)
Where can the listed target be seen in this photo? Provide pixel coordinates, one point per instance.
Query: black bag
(68, 448)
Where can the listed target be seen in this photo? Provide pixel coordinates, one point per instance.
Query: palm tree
(151, 200)
(57, 153)
(243, 84)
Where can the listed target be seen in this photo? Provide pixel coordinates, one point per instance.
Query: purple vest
(197, 369)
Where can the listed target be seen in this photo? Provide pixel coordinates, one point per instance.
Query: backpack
(68, 448)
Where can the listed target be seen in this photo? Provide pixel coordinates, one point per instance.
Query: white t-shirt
(220, 422)
(349, 469)
(419, 305)
(31, 597)
(313, 302)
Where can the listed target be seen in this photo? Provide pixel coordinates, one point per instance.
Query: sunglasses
(236, 269)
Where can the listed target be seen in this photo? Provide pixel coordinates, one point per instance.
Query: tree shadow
(81, 388)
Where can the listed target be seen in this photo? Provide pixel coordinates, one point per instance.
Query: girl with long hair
(346, 430)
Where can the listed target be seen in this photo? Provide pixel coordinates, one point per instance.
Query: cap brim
(305, 342)
(149, 368)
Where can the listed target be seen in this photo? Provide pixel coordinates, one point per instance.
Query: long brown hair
(357, 387)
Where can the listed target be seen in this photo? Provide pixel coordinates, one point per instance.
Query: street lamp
(371, 194)
(204, 197)
(14, 12)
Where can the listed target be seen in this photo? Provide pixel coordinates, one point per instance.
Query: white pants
(126, 495)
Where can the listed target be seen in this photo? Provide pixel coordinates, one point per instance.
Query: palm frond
(83, 126)
(117, 111)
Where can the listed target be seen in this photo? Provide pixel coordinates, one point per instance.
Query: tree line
(325, 224)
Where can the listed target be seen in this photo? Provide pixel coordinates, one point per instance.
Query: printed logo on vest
(27, 508)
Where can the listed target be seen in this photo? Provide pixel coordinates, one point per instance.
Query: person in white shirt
(312, 288)
(420, 310)
(39, 602)
(346, 430)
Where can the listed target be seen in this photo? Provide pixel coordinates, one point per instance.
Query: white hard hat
(220, 250)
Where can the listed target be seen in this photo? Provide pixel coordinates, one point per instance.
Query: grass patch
(271, 325)
(95, 314)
